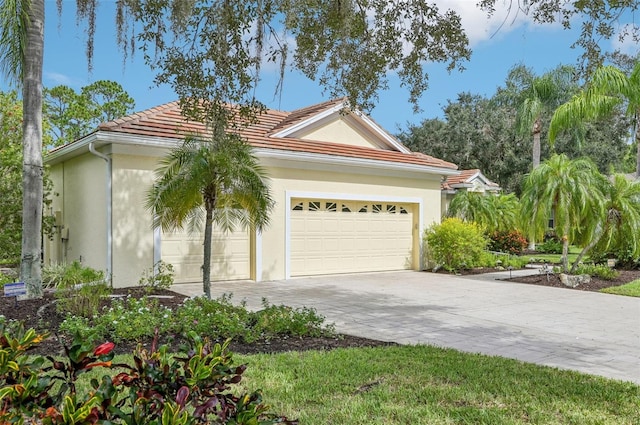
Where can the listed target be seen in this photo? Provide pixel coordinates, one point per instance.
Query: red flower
(103, 349)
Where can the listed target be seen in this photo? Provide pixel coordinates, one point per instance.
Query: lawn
(556, 258)
(427, 385)
(631, 289)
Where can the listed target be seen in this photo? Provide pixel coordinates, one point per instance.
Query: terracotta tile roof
(167, 121)
(465, 177)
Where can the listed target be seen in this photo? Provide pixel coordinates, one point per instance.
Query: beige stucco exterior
(81, 184)
(79, 195)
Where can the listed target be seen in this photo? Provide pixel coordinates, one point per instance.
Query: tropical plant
(492, 212)
(619, 222)
(608, 87)
(573, 189)
(541, 93)
(21, 58)
(220, 178)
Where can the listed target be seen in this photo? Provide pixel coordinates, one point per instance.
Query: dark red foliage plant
(158, 388)
(508, 241)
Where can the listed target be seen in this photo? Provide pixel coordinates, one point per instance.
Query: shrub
(283, 320)
(550, 246)
(69, 275)
(454, 244)
(603, 272)
(217, 318)
(162, 389)
(508, 241)
(158, 277)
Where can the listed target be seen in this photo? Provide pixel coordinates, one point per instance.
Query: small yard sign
(14, 289)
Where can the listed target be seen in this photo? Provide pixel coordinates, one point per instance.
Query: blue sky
(518, 41)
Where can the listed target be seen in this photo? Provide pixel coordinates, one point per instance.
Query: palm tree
(620, 220)
(492, 212)
(573, 189)
(541, 94)
(221, 178)
(608, 88)
(21, 57)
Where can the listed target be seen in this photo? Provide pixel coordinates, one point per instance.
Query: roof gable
(472, 180)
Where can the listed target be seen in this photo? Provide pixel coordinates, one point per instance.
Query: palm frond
(14, 22)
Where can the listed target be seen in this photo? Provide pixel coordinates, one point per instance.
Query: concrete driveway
(584, 331)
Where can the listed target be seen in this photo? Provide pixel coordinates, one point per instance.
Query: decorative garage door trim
(339, 197)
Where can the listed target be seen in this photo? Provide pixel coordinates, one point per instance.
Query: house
(467, 180)
(349, 198)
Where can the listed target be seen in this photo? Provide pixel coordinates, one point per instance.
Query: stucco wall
(80, 185)
(350, 186)
(133, 247)
(342, 132)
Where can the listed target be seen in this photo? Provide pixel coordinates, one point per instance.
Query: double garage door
(335, 236)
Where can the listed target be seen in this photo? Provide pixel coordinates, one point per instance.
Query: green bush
(508, 241)
(275, 320)
(64, 276)
(550, 246)
(156, 388)
(454, 244)
(491, 260)
(158, 277)
(602, 272)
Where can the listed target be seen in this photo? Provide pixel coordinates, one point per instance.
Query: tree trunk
(536, 130)
(30, 265)
(565, 249)
(206, 263)
(638, 147)
(589, 246)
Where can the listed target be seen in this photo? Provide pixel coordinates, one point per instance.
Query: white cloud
(478, 26)
(623, 39)
(56, 79)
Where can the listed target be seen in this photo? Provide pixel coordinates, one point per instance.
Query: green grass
(556, 258)
(426, 385)
(631, 289)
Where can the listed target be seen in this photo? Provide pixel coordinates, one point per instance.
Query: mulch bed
(596, 284)
(41, 314)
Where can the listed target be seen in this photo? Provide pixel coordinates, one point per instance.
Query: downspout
(93, 150)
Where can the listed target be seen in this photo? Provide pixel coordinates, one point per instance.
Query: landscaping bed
(42, 315)
(596, 284)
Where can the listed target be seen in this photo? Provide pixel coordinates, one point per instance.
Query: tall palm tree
(573, 189)
(21, 58)
(220, 178)
(619, 221)
(608, 87)
(541, 94)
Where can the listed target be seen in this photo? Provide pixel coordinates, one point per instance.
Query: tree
(21, 57)
(599, 20)
(220, 177)
(72, 115)
(11, 171)
(211, 53)
(619, 222)
(491, 212)
(541, 93)
(608, 87)
(573, 190)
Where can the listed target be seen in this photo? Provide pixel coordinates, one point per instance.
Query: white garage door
(346, 237)
(230, 255)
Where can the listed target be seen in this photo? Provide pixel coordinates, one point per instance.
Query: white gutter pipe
(93, 150)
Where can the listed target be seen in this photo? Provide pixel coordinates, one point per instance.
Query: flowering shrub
(193, 388)
(509, 241)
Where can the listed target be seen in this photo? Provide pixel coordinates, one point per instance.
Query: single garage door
(347, 237)
(230, 255)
